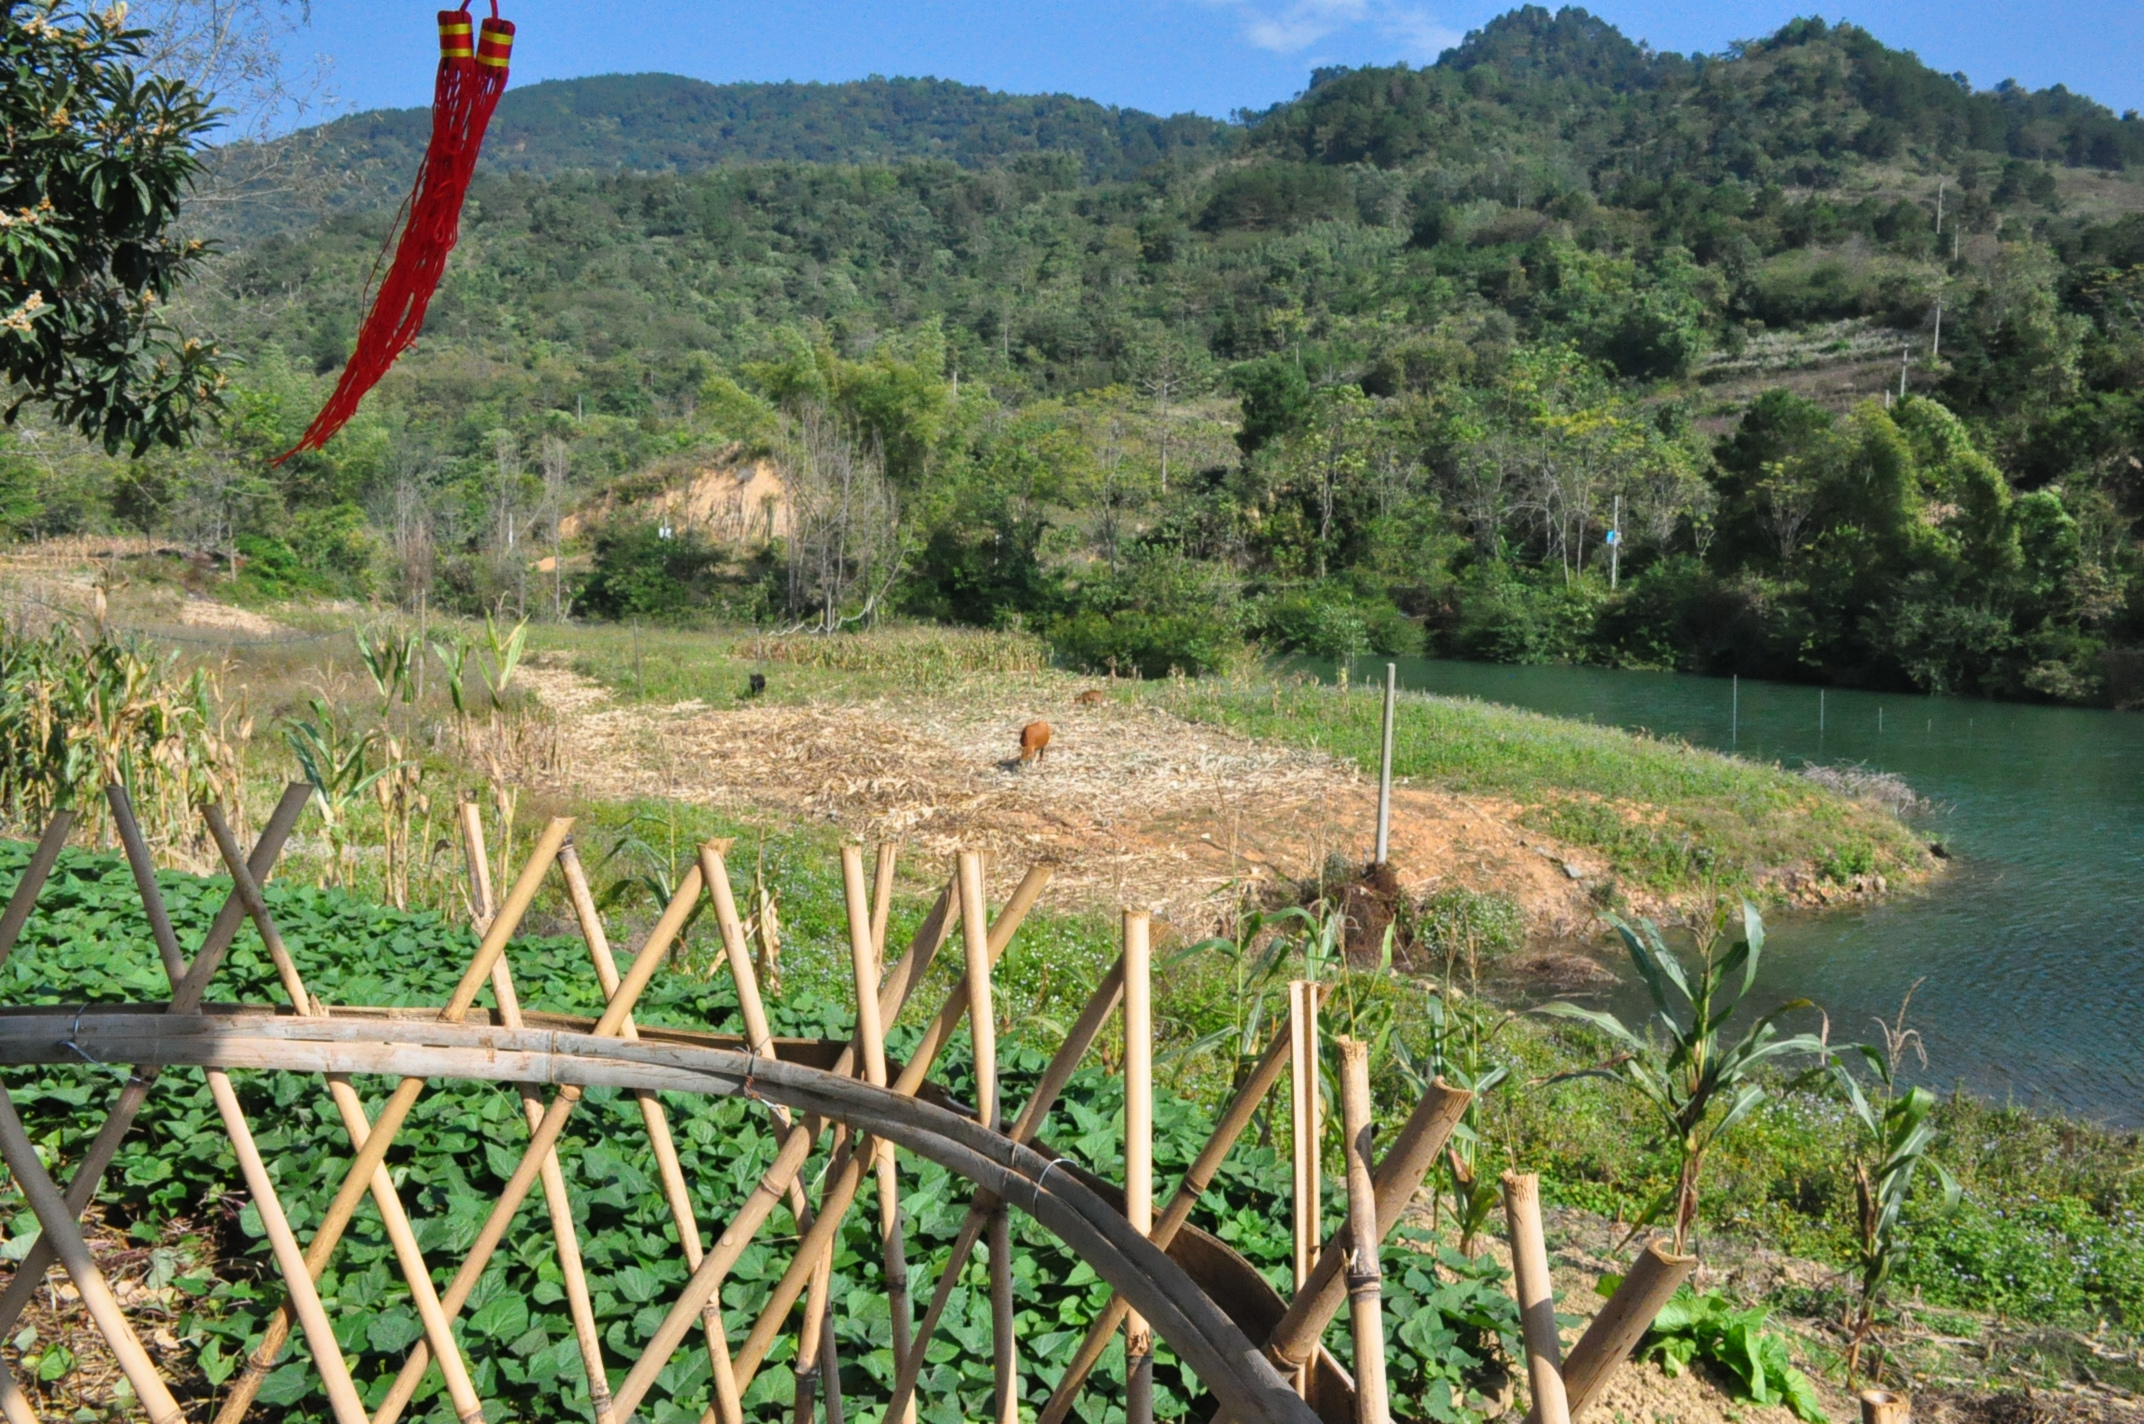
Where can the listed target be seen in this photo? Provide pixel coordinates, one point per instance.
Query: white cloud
(1293, 26)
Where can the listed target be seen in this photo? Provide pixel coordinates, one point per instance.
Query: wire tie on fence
(1034, 1190)
(73, 1031)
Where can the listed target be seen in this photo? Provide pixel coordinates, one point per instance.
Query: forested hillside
(1380, 368)
(664, 123)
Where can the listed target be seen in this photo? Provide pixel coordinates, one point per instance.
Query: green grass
(1667, 816)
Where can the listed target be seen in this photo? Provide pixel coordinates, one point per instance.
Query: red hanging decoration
(471, 78)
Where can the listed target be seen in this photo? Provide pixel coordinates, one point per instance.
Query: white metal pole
(1384, 769)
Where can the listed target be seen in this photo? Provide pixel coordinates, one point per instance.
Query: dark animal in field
(1034, 741)
(757, 685)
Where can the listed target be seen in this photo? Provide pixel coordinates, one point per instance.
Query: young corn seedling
(1697, 1082)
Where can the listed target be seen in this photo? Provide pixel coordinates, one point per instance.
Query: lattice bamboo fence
(1258, 1355)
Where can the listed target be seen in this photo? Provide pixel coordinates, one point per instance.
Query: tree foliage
(95, 161)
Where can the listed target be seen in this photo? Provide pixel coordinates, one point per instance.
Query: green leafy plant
(1459, 1041)
(1710, 1328)
(1898, 1133)
(1697, 1082)
(335, 761)
(390, 656)
(99, 153)
(505, 649)
(453, 655)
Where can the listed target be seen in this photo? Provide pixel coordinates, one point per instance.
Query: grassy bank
(1667, 816)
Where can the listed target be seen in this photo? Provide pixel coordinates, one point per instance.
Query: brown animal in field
(1092, 697)
(1034, 741)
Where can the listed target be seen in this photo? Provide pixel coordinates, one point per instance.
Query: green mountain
(664, 123)
(1849, 356)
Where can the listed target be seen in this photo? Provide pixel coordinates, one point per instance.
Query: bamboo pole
(796, 1146)
(989, 1111)
(1881, 1406)
(1138, 1151)
(88, 1176)
(543, 1138)
(32, 883)
(1234, 1119)
(1304, 1102)
(864, 936)
(846, 1170)
(1292, 1344)
(573, 1275)
(1100, 1005)
(357, 1179)
(797, 1143)
(1621, 1324)
(461, 1392)
(58, 1223)
(1365, 1283)
(303, 1297)
(1537, 1303)
(657, 1121)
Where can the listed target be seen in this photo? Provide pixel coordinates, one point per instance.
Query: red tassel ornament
(472, 74)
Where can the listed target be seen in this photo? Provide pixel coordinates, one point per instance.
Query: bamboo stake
(543, 1138)
(358, 1177)
(1303, 1105)
(846, 1170)
(1138, 1152)
(796, 1148)
(1537, 1303)
(990, 1112)
(82, 1186)
(864, 934)
(1622, 1323)
(1100, 1005)
(32, 883)
(1292, 1344)
(573, 1275)
(461, 1392)
(303, 1297)
(1234, 1119)
(58, 1223)
(1881, 1406)
(1365, 1283)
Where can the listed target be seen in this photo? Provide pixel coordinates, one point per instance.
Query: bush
(1502, 616)
(1282, 196)
(640, 573)
(1458, 922)
(1330, 620)
(1165, 614)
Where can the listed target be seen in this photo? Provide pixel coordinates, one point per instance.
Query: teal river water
(2031, 942)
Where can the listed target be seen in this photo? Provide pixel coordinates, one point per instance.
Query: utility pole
(1939, 206)
(1615, 543)
(1935, 348)
(1384, 769)
(1905, 356)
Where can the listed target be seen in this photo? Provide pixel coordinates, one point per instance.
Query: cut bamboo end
(1621, 1324)
(1537, 1303)
(1881, 1406)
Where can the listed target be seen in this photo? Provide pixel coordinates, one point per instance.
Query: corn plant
(391, 658)
(1459, 1044)
(1255, 953)
(650, 872)
(335, 761)
(1897, 1134)
(505, 656)
(1697, 1082)
(453, 655)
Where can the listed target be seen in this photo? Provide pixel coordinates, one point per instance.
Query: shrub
(1161, 615)
(1458, 923)
(1329, 620)
(641, 573)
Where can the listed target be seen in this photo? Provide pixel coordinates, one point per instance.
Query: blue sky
(1212, 56)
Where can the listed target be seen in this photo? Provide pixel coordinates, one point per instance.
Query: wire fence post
(1384, 770)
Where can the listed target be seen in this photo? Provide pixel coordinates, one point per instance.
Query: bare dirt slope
(1134, 807)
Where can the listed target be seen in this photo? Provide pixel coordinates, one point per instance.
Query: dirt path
(1134, 806)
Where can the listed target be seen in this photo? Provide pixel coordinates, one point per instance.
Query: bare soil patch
(1134, 806)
